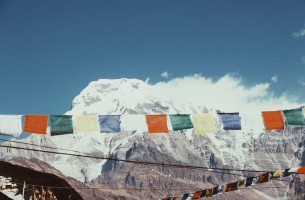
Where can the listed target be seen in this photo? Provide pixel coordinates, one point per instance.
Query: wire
(130, 161)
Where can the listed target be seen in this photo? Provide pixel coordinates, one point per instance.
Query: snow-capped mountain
(251, 148)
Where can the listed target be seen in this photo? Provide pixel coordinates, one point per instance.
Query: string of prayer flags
(180, 121)
(273, 120)
(230, 121)
(10, 125)
(294, 116)
(203, 123)
(61, 124)
(86, 123)
(109, 123)
(35, 124)
(156, 123)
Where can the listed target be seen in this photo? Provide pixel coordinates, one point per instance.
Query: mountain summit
(246, 149)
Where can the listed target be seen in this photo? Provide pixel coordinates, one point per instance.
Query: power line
(127, 161)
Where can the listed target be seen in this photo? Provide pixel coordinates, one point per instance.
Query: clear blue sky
(50, 50)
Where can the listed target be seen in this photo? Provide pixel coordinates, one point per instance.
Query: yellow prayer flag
(278, 173)
(84, 123)
(303, 112)
(204, 123)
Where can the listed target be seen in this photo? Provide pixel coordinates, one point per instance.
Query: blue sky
(50, 50)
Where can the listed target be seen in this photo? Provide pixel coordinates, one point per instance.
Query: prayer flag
(204, 123)
(35, 124)
(109, 123)
(156, 123)
(209, 193)
(293, 170)
(10, 125)
(303, 112)
(220, 189)
(263, 178)
(197, 195)
(231, 186)
(294, 116)
(252, 122)
(185, 196)
(180, 122)
(203, 192)
(133, 123)
(277, 173)
(86, 123)
(249, 181)
(215, 190)
(241, 183)
(273, 120)
(230, 121)
(61, 124)
(301, 170)
(286, 173)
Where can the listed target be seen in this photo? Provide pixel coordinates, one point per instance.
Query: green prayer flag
(294, 116)
(61, 124)
(181, 121)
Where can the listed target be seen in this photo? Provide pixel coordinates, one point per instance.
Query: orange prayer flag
(273, 120)
(156, 123)
(301, 170)
(35, 124)
(196, 195)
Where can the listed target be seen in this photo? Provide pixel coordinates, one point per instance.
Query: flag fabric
(156, 123)
(303, 110)
(277, 173)
(185, 196)
(60, 124)
(203, 193)
(263, 178)
(249, 181)
(11, 125)
(180, 121)
(109, 123)
(86, 123)
(220, 189)
(231, 186)
(204, 123)
(252, 122)
(197, 195)
(286, 172)
(230, 121)
(35, 124)
(209, 193)
(293, 170)
(241, 183)
(294, 116)
(215, 190)
(133, 123)
(273, 120)
(301, 170)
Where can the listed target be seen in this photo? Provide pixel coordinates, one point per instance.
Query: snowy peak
(119, 96)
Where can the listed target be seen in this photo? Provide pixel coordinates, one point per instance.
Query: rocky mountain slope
(251, 148)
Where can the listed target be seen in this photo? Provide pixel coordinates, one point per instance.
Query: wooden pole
(23, 189)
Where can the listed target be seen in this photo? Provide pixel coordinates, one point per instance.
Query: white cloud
(274, 79)
(299, 34)
(301, 81)
(165, 74)
(227, 94)
(303, 60)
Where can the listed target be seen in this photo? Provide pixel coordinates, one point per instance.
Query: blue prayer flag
(109, 123)
(230, 121)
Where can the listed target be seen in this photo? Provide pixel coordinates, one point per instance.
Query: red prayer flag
(156, 123)
(301, 170)
(36, 124)
(273, 120)
(196, 195)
